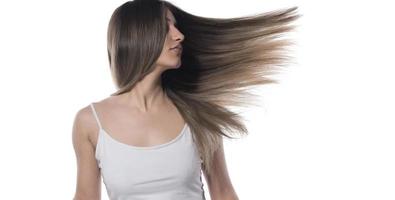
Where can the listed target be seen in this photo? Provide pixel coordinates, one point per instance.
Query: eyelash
(175, 25)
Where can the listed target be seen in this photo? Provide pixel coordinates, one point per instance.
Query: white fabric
(169, 171)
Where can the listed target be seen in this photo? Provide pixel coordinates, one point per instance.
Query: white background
(325, 132)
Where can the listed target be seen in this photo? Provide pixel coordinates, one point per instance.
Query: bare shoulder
(85, 121)
(84, 124)
(88, 176)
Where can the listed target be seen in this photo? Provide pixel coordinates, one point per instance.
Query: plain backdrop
(325, 132)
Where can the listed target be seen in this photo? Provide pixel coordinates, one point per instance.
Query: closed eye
(174, 24)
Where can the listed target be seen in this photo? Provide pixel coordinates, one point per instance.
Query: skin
(145, 108)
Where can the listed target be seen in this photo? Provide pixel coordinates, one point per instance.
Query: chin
(175, 64)
(172, 66)
(170, 63)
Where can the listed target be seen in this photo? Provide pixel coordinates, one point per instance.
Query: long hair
(221, 60)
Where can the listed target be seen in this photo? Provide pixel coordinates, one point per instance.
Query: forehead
(170, 15)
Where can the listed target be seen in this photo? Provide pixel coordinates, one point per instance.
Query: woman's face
(170, 56)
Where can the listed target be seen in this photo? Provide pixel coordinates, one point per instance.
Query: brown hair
(221, 59)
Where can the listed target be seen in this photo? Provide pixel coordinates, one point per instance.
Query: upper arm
(88, 184)
(219, 182)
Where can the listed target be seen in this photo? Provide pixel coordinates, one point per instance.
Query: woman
(175, 74)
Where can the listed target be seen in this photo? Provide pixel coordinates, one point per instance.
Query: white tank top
(169, 171)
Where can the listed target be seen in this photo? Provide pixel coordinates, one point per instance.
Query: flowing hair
(221, 60)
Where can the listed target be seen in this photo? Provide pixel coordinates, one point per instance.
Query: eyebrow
(175, 22)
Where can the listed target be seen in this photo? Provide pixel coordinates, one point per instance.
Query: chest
(166, 167)
(139, 130)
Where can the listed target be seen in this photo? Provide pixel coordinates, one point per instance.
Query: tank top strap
(95, 114)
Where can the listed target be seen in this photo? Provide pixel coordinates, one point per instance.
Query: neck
(147, 95)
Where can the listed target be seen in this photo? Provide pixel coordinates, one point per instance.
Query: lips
(179, 47)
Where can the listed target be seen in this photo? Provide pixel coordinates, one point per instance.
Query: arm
(219, 183)
(88, 174)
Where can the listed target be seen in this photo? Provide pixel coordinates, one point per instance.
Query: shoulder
(88, 181)
(84, 124)
(84, 118)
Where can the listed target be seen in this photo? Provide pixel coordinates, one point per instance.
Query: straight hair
(222, 59)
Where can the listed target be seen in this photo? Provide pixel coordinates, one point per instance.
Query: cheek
(169, 58)
(170, 54)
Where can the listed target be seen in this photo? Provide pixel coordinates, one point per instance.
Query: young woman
(176, 73)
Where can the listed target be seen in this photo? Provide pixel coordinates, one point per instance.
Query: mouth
(177, 48)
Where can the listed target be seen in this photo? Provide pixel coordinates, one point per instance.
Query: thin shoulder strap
(95, 114)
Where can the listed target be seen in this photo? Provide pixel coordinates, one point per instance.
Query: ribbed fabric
(169, 171)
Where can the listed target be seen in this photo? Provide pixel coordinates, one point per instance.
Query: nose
(177, 35)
